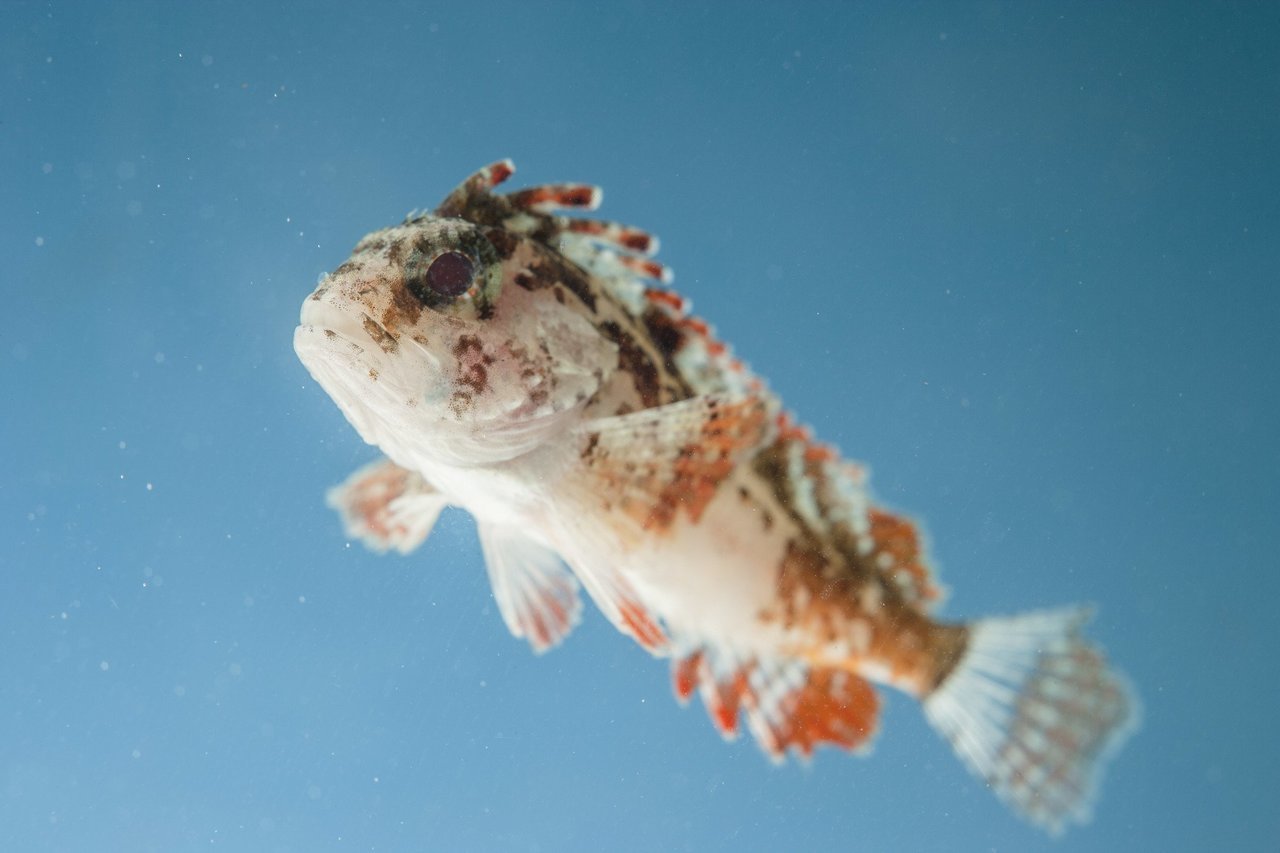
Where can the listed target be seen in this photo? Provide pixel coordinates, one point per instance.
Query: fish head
(445, 341)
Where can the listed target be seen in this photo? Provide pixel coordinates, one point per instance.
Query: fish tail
(1034, 710)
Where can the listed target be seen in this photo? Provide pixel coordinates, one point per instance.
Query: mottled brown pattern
(756, 507)
(404, 309)
(545, 272)
(396, 253)
(459, 403)
(504, 242)
(577, 282)
(702, 465)
(636, 362)
(473, 364)
(666, 335)
(770, 465)
(918, 651)
(372, 246)
(384, 339)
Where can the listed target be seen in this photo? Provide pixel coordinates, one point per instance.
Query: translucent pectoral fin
(387, 507)
(537, 596)
(657, 465)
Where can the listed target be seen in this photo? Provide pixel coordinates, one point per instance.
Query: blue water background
(1021, 258)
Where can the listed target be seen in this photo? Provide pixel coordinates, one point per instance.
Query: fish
(512, 357)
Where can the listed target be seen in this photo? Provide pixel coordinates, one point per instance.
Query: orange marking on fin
(819, 453)
(726, 701)
(898, 538)
(789, 430)
(620, 235)
(646, 268)
(552, 196)
(499, 172)
(702, 465)
(789, 707)
(665, 297)
(684, 676)
(697, 326)
(641, 626)
(832, 707)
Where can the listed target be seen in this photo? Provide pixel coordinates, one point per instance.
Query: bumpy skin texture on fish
(530, 367)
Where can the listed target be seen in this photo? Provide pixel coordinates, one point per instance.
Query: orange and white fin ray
(536, 594)
(386, 507)
(657, 465)
(789, 706)
(552, 197)
(900, 556)
(615, 266)
(622, 605)
(625, 237)
(478, 183)
(1035, 711)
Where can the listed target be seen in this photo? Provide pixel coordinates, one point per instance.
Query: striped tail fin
(1034, 710)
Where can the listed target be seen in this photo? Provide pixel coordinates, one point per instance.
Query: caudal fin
(1035, 711)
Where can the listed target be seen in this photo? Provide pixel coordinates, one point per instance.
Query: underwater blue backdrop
(1022, 258)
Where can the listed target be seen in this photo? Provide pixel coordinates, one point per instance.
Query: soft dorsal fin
(537, 596)
(387, 507)
(789, 706)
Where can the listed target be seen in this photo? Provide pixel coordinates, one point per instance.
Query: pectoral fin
(387, 507)
(537, 596)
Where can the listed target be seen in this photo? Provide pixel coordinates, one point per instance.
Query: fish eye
(450, 267)
(451, 274)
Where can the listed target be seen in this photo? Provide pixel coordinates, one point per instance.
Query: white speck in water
(137, 753)
(104, 666)
(46, 168)
(39, 241)
(159, 357)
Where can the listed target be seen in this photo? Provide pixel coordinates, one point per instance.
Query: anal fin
(789, 706)
(387, 507)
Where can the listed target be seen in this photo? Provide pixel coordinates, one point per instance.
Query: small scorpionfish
(531, 367)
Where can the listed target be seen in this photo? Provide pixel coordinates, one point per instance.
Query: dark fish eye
(450, 274)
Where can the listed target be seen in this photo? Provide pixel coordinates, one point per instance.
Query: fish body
(532, 368)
